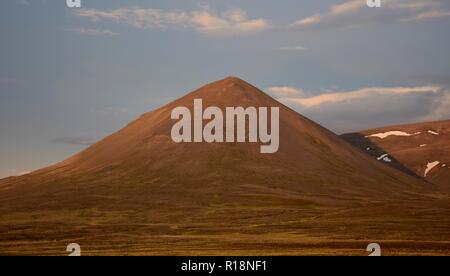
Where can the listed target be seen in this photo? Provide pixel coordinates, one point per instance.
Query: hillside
(421, 149)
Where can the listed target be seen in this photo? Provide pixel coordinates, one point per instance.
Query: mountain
(421, 149)
(138, 192)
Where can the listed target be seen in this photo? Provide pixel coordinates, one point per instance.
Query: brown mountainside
(422, 149)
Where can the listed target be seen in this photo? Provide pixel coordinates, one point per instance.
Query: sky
(70, 76)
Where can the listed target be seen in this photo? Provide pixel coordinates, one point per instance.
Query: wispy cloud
(358, 94)
(356, 13)
(15, 172)
(353, 110)
(206, 21)
(441, 108)
(94, 32)
(428, 15)
(24, 173)
(292, 48)
(285, 91)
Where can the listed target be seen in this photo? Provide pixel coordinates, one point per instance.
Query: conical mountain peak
(230, 91)
(305, 148)
(233, 79)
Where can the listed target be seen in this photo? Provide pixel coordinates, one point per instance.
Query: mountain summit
(139, 191)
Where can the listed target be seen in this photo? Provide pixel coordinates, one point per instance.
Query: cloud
(95, 32)
(356, 13)
(347, 7)
(285, 91)
(76, 140)
(361, 93)
(292, 48)
(206, 21)
(441, 108)
(345, 111)
(428, 14)
(15, 172)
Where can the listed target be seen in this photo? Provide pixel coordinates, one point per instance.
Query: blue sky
(71, 76)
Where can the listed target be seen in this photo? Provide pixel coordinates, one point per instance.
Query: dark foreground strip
(223, 265)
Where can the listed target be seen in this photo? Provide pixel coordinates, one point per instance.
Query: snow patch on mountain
(430, 166)
(385, 158)
(383, 135)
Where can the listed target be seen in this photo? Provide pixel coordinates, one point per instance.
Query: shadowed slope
(415, 147)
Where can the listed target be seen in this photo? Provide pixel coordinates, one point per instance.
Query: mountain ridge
(412, 147)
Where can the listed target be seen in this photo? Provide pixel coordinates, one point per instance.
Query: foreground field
(338, 232)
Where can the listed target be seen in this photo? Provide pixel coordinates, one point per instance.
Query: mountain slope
(138, 192)
(422, 149)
